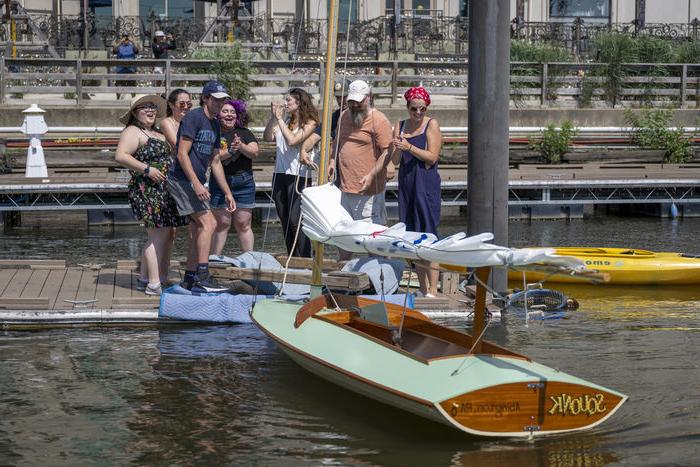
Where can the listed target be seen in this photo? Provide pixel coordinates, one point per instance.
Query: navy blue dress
(419, 189)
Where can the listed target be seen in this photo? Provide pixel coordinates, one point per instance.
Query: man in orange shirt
(361, 149)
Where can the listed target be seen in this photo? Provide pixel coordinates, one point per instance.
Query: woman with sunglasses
(237, 158)
(416, 146)
(144, 151)
(179, 103)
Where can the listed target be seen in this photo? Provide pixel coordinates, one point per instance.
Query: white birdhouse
(34, 126)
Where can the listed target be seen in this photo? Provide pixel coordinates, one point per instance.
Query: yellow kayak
(627, 266)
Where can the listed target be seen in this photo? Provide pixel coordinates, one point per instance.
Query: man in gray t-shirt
(198, 142)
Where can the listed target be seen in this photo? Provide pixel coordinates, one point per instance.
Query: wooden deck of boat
(50, 285)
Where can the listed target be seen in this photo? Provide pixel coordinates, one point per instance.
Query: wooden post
(168, 70)
(394, 81)
(545, 72)
(79, 81)
(482, 275)
(684, 83)
(321, 77)
(449, 283)
(2, 80)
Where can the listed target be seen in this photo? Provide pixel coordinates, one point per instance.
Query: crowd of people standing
(195, 169)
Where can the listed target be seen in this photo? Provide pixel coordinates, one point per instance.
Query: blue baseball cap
(216, 90)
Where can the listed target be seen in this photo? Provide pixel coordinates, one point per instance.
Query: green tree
(554, 142)
(650, 129)
(230, 66)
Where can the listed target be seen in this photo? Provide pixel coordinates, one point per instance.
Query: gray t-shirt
(205, 135)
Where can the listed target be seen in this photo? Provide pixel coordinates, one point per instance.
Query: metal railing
(285, 37)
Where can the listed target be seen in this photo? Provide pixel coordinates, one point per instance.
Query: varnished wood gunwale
(337, 369)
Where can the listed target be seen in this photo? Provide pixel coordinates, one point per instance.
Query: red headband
(417, 93)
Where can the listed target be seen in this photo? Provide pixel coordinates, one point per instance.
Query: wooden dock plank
(24, 303)
(6, 276)
(141, 302)
(34, 263)
(104, 292)
(87, 286)
(355, 281)
(52, 285)
(36, 283)
(69, 288)
(16, 285)
(122, 283)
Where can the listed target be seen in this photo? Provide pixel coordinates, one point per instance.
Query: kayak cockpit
(419, 337)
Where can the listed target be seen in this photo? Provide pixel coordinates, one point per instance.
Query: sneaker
(217, 258)
(157, 290)
(207, 284)
(141, 284)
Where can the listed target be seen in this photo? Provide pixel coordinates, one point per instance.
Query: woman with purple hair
(238, 149)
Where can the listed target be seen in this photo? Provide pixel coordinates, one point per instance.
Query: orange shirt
(359, 149)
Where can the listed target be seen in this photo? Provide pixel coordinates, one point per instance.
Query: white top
(287, 160)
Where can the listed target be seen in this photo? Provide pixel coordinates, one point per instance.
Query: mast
(327, 95)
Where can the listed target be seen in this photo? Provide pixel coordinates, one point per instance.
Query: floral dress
(149, 200)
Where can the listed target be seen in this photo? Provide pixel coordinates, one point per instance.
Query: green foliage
(523, 51)
(554, 143)
(687, 52)
(650, 130)
(653, 50)
(614, 50)
(230, 66)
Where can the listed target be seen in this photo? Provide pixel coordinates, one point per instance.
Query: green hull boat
(431, 370)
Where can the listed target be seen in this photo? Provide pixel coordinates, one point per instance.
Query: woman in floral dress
(145, 152)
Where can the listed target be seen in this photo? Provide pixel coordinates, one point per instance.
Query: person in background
(198, 143)
(237, 158)
(179, 103)
(161, 46)
(416, 146)
(363, 142)
(125, 49)
(291, 175)
(145, 152)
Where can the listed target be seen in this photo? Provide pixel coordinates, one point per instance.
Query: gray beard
(359, 117)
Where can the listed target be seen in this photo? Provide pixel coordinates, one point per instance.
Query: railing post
(321, 78)
(168, 78)
(394, 81)
(2, 80)
(545, 72)
(684, 83)
(79, 81)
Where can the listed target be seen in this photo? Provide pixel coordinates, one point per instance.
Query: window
(421, 7)
(464, 8)
(344, 12)
(176, 8)
(576, 8)
(389, 6)
(100, 7)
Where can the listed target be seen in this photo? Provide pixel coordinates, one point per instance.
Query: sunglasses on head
(418, 109)
(185, 105)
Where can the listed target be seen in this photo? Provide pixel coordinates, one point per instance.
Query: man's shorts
(185, 198)
(368, 207)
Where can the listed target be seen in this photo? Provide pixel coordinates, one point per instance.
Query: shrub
(229, 65)
(614, 50)
(650, 130)
(687, 52)
(554, 143)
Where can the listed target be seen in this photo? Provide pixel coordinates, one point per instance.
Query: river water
(225, 395)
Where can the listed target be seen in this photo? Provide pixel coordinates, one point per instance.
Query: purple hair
(241, 113)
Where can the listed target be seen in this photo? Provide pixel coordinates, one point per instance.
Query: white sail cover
(325, 220)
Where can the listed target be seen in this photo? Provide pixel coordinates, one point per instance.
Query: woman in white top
(292, 173)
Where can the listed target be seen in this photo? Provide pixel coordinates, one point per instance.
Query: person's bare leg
(223, 224)
(433, 278)
(167, 252)
(206, 224)
(242, 219)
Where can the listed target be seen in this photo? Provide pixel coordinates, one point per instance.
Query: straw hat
(160, 103)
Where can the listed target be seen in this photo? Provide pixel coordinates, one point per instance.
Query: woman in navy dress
(417, 142)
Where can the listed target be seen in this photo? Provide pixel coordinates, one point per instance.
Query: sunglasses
(147, 106)
(185, 104)
(418, 109)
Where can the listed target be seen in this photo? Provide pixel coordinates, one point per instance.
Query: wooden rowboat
(431, 370)
(625, 266)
